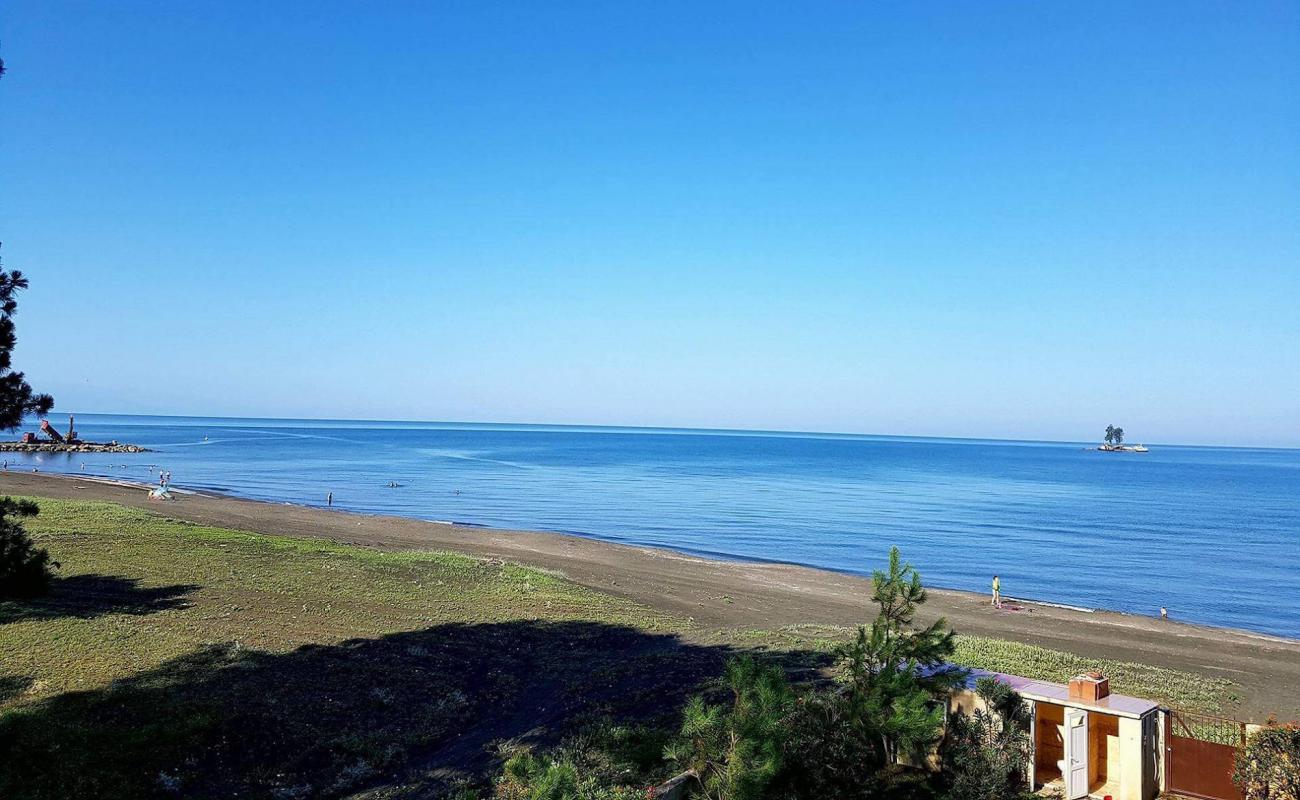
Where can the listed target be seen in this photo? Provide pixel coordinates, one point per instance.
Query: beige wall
(1117, 757)
(1118, 751)
(965, 701)
(1049, 743)
(1103, 747)
(1132, 782)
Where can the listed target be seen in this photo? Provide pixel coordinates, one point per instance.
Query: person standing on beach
(997, 592)
(329, 499)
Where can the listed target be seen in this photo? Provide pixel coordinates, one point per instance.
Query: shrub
(736, 752)
(25, 569)
(986, 755)
(1269, 766)
(527, 777)
(619, 753)
(829, 759)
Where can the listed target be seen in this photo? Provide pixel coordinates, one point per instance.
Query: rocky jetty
(70, 447)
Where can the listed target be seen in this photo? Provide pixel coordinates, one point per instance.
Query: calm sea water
(1211, 533)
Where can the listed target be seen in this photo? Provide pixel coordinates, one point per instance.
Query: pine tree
(24, 568)
(894, 671)
(17, 399)
(737, 752)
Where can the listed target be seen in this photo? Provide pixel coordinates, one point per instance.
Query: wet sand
(746, 595)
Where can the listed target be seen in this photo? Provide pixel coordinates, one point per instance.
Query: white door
(1076, 753)
(1031, 708)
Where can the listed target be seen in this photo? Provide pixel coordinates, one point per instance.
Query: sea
(1210, 533)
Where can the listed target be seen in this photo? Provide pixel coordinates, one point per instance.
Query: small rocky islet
(58, 442)
(70, 447)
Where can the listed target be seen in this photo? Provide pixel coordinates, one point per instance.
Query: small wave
(470, 455)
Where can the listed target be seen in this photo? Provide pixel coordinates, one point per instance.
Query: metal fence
(1207, 728)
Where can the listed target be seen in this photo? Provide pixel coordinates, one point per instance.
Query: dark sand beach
(727, 594)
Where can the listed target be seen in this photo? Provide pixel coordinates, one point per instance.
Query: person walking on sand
(997, 592)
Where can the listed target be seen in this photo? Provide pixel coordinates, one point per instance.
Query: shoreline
(688, 552)
(717, 593)
(666, 552)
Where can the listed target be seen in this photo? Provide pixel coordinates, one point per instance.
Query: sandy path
(733, 594)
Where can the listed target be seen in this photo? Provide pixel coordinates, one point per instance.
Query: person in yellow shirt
(997, 592)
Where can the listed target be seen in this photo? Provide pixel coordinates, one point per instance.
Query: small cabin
(1085, 741)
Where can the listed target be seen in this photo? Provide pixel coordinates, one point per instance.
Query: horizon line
(664, 429)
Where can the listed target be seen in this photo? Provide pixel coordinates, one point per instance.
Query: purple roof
(1060, 693)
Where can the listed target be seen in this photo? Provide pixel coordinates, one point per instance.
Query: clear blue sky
(975, 219)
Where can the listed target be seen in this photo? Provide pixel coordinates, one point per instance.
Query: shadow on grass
(416, 710)
(12, 686)
(87, 596)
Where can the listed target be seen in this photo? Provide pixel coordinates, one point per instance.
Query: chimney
(1089, 687)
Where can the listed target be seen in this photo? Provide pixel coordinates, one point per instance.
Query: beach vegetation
(25, 569)
(530, 778)
(178, 659)
(736, 750)
(17, 399)
(527, 777)
(1172, 687)
(844, 741)
(1268, 768)
(226, 663)
(1177, 688)
(603, 760)
(848, 741)
(895, 672)
(986, 753)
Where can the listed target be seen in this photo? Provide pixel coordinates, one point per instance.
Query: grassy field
(178, 660)
(1184, 690)
(1166, 686)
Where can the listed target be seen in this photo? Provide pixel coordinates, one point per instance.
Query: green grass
(308, 663)
(174, 659)
(260, 592)
(1184, 690)
(1166, 686)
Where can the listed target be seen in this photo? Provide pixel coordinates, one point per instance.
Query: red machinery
(50, 431)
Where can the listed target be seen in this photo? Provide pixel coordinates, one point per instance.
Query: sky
(1019, 220)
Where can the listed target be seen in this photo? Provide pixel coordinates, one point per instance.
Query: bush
(1269, 766)
(986, 754)
(25, 569)
(829, 757)
(736, 752)
(527, 777)
(619, 753)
